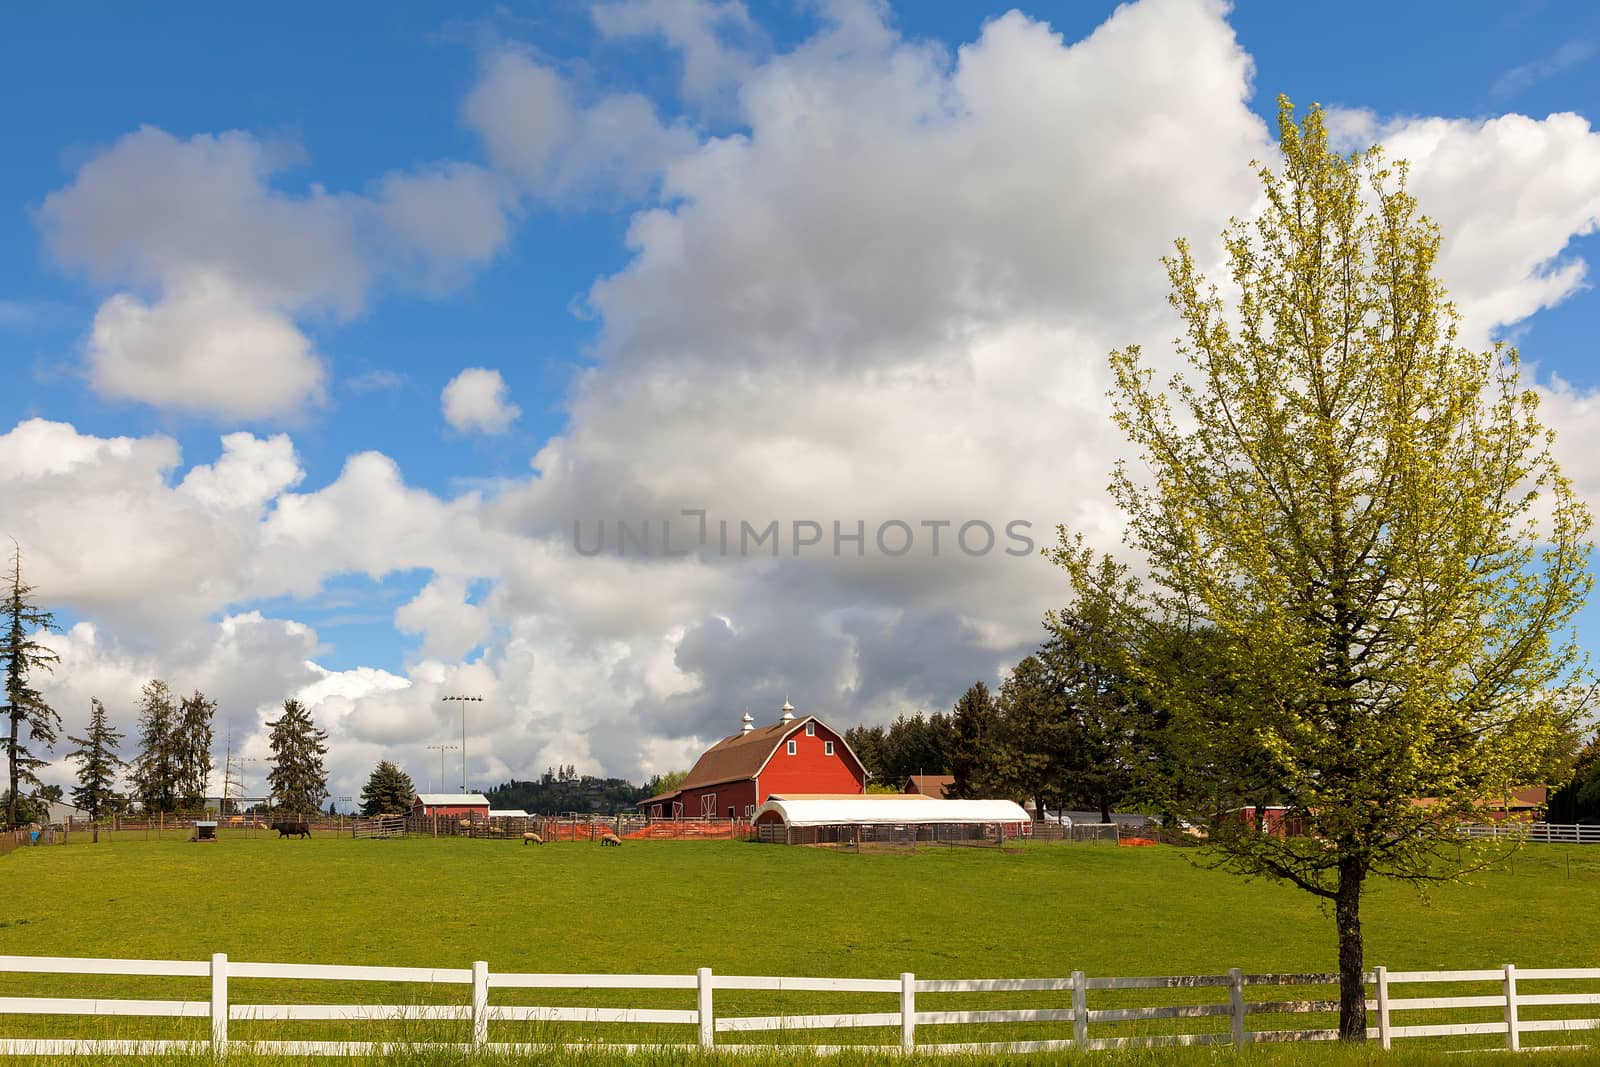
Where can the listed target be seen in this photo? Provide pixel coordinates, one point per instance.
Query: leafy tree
(97, 759)
(388, 791)
(1578, 801)
(21, 653)
(665, 783)
(1371, 516)
(298, 779)
(155, 769)
(192, 749)
(974, 726)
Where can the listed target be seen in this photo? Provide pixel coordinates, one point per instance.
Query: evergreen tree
(155, 769)
(298, 779)
(192, 749)
(974, 725)
(1372, 516)
(388, 791)
(20, 655)
(97, 759)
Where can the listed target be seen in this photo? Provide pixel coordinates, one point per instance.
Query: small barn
(939, 786)
(888, 819)
(738, 774)
(461, 805)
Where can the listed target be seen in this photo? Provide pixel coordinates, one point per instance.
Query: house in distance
(741, 772)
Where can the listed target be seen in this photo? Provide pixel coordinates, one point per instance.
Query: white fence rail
(1545, 833)
(1067, 1016)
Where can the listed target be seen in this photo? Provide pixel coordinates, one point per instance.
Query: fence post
(480, 1003)
(1080, 1011)
(702, 1004)
(1236, 1005)
(219, 1003)
(908, 1011)
(1513, 1038)
(1381, 976)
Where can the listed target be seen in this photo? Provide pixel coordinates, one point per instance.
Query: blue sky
(340, 98)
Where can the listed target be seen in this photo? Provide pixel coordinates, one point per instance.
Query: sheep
(609, 838)
(531, 838)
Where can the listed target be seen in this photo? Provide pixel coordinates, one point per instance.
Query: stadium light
(463, 700)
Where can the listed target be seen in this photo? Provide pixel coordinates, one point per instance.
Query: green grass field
(669, 907)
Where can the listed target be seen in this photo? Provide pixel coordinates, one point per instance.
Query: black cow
(292, 829)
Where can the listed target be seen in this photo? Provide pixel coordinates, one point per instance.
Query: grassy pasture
(669, 907)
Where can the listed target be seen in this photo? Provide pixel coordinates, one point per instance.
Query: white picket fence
(1075, 1021)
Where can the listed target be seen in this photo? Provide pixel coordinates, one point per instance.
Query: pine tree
(155, 769)
(97, 759)
(192, 749)
(389, 791)
(21, 654)
(298, 778)
(974, 722)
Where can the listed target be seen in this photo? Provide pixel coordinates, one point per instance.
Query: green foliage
(1578, 801)
(155, 769)
(388, 791)
(666, 783)
(298, 779)
(98, 762)
(974, 727)
(1369, 515)
(914, 744)
(21, 654)
(192, 749)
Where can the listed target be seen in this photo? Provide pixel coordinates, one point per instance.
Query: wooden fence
(1064, 1020)
(1545, 833)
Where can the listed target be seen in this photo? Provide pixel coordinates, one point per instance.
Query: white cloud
(205, 347)
(223, 266)
(475, 400)
(559, 148)
(715, 38)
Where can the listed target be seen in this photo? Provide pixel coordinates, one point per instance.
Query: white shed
(904, 819)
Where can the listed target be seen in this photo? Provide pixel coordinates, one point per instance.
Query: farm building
(463, 804)
(903, 818)
(506, 813)
(939, 786)
(738, 774)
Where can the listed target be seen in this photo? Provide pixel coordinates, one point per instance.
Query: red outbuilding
(738, 774)
(466, 805)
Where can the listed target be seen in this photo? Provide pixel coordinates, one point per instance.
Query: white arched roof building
(899, 818)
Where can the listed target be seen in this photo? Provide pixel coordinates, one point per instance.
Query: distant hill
(557, 792)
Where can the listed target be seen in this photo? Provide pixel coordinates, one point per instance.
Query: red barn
(738, 774)
(462, 804)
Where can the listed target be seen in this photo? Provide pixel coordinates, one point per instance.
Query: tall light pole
(463, 701)
(442, 750)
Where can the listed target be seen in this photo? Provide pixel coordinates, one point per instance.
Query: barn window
(749, 810)
(827, 748)
(793, 748)
(811, 729)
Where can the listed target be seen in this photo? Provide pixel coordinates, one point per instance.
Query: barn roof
(901, 808)
(930, 785)
(460, 800)
(507, 813)
(741, 756)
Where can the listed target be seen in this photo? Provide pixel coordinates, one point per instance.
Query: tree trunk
(1352, 977)
(1105, 808)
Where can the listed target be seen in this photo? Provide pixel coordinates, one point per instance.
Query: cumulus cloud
(561, 148)
(223, 265)
(476, 400)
